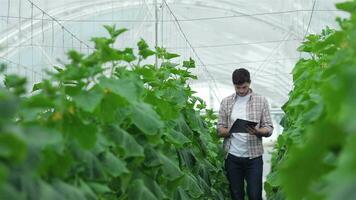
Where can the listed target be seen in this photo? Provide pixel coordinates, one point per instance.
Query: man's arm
(223, 132)
(266, 126)
(222, 127)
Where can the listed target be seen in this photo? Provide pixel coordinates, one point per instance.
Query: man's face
(243, 89)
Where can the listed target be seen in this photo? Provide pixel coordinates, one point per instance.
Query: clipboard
(239, 126)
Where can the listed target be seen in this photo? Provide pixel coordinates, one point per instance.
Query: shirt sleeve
(266, 119)
(223, 116)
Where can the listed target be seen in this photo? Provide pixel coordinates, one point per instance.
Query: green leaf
(40, 100)
(50, 157)
(152, 159)
(145, 53)
(127, 142)
(128, 55)
(144, 50)
(8, 105)
(88, 192)
(177, 138)
(191, 185)
(146, 119)
(2, 67)
(189, 64)
(8, 191)
(113, 31)
(114, 165)
(47, 191)
(89, 100)
(170, 169)
(68, 192)
(169, 56)
(75, 56)
(41, 137)
(142, 44)
(126, 88)
(3, 174)
(101, 42)
(167, 110)
(99, 188)
(12, 147)
(169, 65)
(139, 191)
(84, 133)
(15, 83)
(347, 6)
(181, 194)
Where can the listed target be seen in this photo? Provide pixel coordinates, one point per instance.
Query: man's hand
(257, 131)
(224, 132)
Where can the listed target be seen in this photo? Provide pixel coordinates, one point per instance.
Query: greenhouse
(177, 99)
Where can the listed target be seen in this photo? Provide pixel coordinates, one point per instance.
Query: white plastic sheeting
(260, 35)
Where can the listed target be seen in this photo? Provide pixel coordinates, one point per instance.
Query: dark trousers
(238, 170)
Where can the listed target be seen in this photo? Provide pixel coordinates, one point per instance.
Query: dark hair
(241, 76)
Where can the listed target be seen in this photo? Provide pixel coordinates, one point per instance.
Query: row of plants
(315, 158)
(109, 125)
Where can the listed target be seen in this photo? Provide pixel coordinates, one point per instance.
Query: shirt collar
(250, 93)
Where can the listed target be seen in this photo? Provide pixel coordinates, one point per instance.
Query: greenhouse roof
(260, 35)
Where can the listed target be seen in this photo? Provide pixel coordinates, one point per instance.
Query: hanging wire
(21, 65)
(20, 37)
(238, 44)
(7, 26)
(52, 41)
(268, 57)
(8, 11)
(42, 28)
(190, 19)
(310, 19)
(162, 23)
(308, 26)
(31, 24)
(59, 23)
(194, 51)
(32, 66)
(250, 61)
(63, 39)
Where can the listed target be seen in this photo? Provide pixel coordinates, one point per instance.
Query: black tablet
(240, 125)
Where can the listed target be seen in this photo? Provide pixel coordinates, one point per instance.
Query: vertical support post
(156, 30)
(211, 97)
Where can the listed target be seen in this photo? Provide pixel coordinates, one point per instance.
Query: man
(244, 150)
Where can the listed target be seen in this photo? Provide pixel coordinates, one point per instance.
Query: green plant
(107, 126)
(313, 156)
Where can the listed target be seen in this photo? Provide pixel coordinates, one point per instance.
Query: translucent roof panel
(260, 35)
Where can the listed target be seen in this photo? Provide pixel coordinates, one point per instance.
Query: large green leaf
(99, 188)
(41, 137)
(170, 168)
(144, 50)
(146, 119)
(12, 146)
(114, 165)
(8, 105)
(127, 142)
(84, 133)
(139, 191)
(113, 109)
(68, 191)
(89, 100)
(191, 185)
(177, 138)
(181, 194)
(126, 88)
